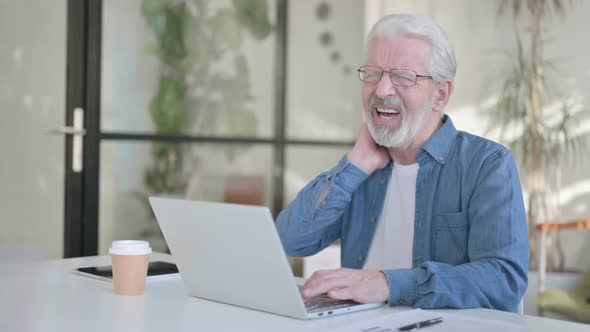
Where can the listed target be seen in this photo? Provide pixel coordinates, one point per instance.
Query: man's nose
(385, 87)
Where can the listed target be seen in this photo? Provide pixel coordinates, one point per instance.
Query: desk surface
(47, 297)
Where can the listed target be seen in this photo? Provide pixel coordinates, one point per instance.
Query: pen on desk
(421, 324)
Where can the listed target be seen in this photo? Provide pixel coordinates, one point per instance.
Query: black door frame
(84, 19)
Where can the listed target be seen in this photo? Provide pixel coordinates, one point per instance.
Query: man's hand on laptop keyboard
(362, 286)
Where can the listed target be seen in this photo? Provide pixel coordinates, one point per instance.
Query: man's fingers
(324, 286)
(323, 282)
(344, 293)
(321, 275)
(346, 284)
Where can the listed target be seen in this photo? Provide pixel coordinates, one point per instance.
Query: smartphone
(156, 270)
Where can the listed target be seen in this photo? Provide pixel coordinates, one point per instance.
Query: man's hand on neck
(366, 154)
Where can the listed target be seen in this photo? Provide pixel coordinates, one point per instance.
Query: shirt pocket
(450, 238)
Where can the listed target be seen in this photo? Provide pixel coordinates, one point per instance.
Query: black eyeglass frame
(361, 71)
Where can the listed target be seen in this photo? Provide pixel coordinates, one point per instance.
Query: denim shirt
(470, 235)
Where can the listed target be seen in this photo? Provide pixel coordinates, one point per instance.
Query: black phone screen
(154, 269)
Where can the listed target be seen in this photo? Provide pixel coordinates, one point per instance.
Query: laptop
(232, 254)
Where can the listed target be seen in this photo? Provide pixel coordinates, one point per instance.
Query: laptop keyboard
(324, 302)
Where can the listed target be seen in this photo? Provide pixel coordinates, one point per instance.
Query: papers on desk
(451, 322)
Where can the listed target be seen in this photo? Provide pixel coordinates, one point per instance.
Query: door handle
(78, 132)
(66, 130)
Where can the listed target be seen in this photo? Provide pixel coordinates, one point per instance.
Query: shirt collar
(439, 145)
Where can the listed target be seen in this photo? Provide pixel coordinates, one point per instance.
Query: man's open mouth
(387, 113)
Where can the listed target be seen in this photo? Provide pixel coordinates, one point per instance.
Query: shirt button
(401, 301)
(382, 182)
(361, 257)
(372, 220)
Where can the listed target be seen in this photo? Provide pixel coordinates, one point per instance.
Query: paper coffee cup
(130, 263)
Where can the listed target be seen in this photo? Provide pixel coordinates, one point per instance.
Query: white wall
(323, 96)
(32, 101)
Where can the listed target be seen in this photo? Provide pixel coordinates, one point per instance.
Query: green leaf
(152, 11)
(172, 36)
(201, 8)
(226, 24)
(166, 108)
(253, 14)
(191, 41)
(152, 47)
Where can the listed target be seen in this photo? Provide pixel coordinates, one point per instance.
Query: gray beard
(401, 137)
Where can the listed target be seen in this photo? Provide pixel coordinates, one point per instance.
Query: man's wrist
(360, 162)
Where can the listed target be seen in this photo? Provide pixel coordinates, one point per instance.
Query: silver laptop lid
(229, 253)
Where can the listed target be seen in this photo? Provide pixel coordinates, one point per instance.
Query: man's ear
(442, 93)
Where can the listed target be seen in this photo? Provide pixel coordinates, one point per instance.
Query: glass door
(32, 104)
(187, 108)
(49, 103)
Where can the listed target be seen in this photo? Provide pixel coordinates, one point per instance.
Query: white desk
(47, 297)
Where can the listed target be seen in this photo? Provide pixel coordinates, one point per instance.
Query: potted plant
(189, 40)
(533, 117)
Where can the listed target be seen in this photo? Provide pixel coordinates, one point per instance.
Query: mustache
(395, 102)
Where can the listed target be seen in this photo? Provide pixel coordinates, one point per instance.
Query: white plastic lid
(130, 247)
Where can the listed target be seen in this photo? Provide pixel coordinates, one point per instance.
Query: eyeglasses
(399, 77)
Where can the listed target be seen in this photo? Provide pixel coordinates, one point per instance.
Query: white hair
(443, 64)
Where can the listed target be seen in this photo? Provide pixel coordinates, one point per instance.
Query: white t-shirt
(392, 244)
